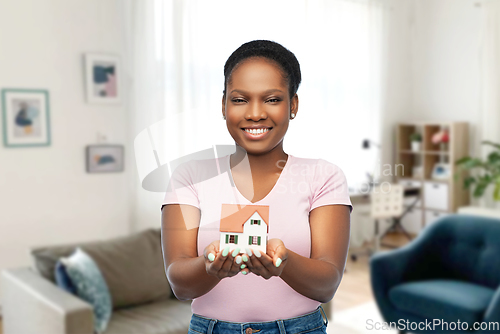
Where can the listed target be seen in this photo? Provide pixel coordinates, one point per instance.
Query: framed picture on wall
(103, 78)
(104, 158)
(25, 117)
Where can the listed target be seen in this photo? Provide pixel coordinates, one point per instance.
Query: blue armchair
(449, 273)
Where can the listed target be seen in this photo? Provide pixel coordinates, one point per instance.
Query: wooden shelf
(424, 152)
(437, 152)
(412, 178)
(410, 152)
(437, 181)
(443, 196)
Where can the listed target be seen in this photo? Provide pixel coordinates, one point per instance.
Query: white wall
(46, 195)
(433, 66)
(398, 80)
(446, 40)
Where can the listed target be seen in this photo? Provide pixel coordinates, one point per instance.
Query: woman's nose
(256, 111)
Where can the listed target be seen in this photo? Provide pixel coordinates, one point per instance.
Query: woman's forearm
(315, 279)
(189, 279)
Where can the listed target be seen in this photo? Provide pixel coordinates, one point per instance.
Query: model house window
(231, 239)
(254, 221)
(254, 240)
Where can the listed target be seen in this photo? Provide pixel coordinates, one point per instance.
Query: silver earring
(292, 115)
(223, 117)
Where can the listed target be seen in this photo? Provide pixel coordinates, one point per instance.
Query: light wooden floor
(355, 288)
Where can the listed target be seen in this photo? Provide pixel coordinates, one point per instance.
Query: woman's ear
(224, 106)
(294, 106)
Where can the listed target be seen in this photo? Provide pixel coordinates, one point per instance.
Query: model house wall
(239, 223)
(253, 236)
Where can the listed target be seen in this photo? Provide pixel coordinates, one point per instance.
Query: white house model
(244, 227)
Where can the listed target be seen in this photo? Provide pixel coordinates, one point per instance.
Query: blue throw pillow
(62, 279)
(90, 286)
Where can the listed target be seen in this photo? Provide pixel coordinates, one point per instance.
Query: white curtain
(178, 49)
(490, 72)
(490, 84)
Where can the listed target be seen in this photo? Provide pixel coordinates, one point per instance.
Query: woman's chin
(256, 148)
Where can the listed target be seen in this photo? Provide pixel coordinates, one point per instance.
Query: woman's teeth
(256, 131)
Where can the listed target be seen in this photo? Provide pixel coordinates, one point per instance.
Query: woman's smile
(256, 133)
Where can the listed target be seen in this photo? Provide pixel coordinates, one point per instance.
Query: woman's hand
(222, 263)
(270, 264)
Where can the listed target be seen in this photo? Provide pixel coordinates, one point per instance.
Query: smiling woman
(309, 211)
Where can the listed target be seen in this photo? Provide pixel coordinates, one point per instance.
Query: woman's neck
(270, 162)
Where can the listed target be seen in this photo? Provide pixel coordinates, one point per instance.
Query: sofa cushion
(90, 286)
(132, 266)
(444, 299)
(164, 317)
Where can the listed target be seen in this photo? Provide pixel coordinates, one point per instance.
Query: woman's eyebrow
(269, 91)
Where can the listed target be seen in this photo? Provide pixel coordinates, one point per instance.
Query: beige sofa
(133, 269)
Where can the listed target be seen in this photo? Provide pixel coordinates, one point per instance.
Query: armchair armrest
(410, 261)
(390, 268)
(32, 304)
(492, 313)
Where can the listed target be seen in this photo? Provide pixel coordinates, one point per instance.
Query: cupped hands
(229, 262)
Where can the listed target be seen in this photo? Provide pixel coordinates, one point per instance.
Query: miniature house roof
(234, 216)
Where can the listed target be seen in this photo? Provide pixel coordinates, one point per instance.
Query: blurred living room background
(98, 95)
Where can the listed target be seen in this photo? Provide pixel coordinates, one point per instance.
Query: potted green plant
(415, 139)
(488, 172)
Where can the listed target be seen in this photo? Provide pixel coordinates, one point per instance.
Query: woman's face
(257, 106)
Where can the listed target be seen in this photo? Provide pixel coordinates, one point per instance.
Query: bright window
(182, 46)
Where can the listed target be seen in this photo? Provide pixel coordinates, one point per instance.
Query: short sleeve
(329, 186)
(181, 188)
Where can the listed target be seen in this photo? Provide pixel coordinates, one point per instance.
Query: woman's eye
(273, 100)
(238, 100)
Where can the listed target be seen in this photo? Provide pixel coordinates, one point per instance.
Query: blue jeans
(311, 323)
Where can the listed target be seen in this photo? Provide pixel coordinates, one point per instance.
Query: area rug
(362, 319)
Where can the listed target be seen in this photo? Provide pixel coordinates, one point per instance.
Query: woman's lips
(256, 134)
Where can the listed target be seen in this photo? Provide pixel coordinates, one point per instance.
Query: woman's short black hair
(273, 51)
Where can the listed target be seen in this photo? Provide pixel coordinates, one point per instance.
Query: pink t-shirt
(304, 184)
